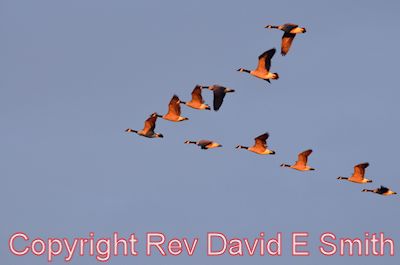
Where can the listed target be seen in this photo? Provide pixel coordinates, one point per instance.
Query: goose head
(243, 70)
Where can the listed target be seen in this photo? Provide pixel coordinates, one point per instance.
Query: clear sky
(75, 74)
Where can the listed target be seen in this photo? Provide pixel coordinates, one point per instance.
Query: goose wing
(203, 143)
(359, 171)
(150, 123)
(174, 106)
(219, 94)
(302, 157)
(287, 40)
(264, 61)
(261, 141)
(383, 189)
(196, 94)
(288, 27)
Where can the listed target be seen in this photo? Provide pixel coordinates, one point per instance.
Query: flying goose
(148, 130)
(219, 94)
(260, 146)
(264, 64)
(197, 101)
(358, 175)
(204, 144)
(382, 191)
(301, 163)
(290, 32)
(174, 111)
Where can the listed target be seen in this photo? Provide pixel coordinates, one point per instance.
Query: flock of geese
(260, 145)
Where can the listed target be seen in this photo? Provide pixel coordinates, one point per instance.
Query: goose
(382, 191)
(264, 64)
(204, 144)
(174, 111)
(358, 175)
(149, 126)
(197, 101)
(301, 163)
(290, 32)
(219, 94)
(260, 146)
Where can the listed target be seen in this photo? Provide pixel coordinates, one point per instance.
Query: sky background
(75, 74)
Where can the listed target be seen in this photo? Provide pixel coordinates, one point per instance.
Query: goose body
(260, 146)
(197, 101)
(301, 163)
(358, 175)
(219, 94)
(263, 67)
(290, 31)
(381, 191)
(174, 111)
(204, 144)
(148, 130)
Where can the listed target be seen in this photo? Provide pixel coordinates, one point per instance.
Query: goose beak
(395, 193)
(205, 87)
(273, 153)
(208, 108)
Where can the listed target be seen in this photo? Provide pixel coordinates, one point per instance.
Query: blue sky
(75, 74)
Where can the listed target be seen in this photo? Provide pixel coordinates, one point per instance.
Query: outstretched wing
(203, 143)
(264, 60)
(288, 27)
(359, 171)
(303, 157)
(261, 141)
(150, 123)
(382, 189)
(219, 94)
(196, 94)
(174, 107)
(287, 40)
